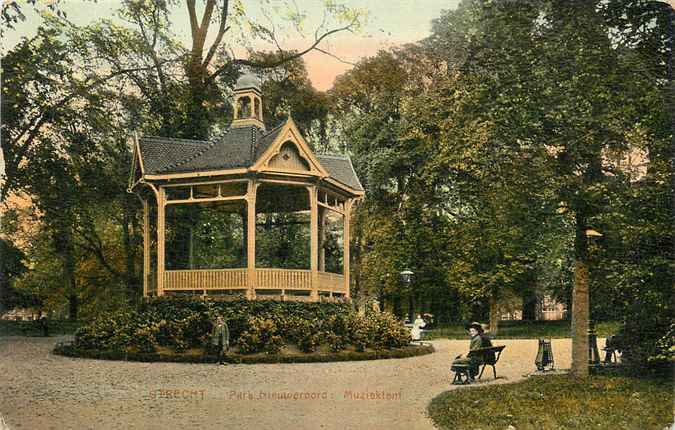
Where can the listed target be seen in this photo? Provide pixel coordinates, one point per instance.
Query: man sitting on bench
(478, 340)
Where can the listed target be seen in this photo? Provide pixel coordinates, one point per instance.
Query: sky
(389, 23)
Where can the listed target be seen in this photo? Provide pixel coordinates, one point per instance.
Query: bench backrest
(488, 355)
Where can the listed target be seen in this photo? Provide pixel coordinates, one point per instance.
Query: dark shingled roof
(267, 140)
(340, 168)
(232, 149)
(238, 147)
(159, 154)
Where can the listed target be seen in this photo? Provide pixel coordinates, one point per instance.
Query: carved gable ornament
(289, 158)
(289, 153)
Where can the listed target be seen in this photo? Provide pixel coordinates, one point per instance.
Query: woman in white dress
(416, 331)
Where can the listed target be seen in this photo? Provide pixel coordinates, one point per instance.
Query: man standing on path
(220, 336)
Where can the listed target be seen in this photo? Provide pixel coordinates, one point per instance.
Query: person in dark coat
(478, 340)
(220, 337)
(44, 325)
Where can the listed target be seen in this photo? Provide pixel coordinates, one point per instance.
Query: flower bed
(329, 331)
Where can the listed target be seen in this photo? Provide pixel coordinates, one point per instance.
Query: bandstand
(205, 202)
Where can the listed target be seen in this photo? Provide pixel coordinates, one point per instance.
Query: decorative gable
(289, 153)
(289, 158)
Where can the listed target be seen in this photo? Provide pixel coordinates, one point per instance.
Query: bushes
(647, 339)
(262, 335)
(255, 326)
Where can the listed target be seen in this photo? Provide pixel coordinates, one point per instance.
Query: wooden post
(161, 202)
(345, 240)
(146, 246)
(322, 239)
(250, 239)
(314, 236)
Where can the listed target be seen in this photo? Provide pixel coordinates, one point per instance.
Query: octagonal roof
(237, 148)
(247, 81)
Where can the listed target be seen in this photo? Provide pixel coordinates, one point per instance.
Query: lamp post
(407, 278)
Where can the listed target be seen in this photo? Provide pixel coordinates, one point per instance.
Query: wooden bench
(484, 357)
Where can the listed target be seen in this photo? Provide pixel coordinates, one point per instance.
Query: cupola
(248, 102)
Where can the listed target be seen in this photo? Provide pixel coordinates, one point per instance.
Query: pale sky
(390, 23)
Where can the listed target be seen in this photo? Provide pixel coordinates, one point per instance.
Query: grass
(524, 330)
(33, 328)
(559, 402)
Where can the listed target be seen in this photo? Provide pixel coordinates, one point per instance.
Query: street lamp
(592, 233)
(407, 278)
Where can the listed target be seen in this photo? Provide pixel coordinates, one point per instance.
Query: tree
(288, 91)
(397, 226)
(71, 166)
(11, 260)
(205, 66)
(563, 90)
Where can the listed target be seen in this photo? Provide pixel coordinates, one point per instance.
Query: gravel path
(39, 390)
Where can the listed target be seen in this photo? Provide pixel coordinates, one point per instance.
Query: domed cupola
(248, 102)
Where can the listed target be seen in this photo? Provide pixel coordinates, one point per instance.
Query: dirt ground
(39, 390)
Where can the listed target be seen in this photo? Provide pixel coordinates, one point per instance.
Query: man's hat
(475, 325)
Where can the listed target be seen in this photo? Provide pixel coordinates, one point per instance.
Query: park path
(39, 390)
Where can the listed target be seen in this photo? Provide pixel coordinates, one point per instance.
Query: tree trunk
(494, 315)
(580, 302)
(69, 278)
(529, 308)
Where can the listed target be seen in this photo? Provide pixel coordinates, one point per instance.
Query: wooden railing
(205, 279)
(331, 282)
(287, 279)
(235, 279)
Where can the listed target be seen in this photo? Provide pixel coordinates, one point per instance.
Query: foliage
(11, 265)
(255, 326)
(34, 328)
(665, 348)
(554, 402)
(261, 334)
(488, 150)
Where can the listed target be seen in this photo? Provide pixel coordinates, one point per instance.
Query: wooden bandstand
(239, 175)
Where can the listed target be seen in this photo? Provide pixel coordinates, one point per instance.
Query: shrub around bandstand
(261, 326)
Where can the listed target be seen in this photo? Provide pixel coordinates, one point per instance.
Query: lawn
(559, 402)
(524, 330)
(33, 328)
